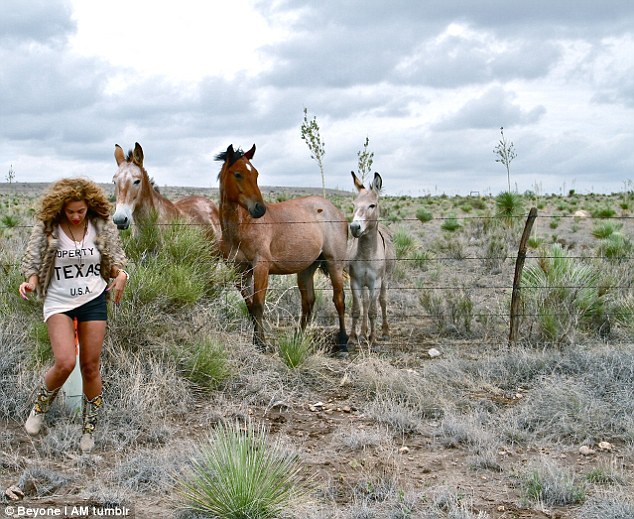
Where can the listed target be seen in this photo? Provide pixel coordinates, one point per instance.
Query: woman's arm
(32, 259)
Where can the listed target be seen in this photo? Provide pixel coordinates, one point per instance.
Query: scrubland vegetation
(198, 423)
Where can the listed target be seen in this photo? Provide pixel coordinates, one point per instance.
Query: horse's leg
(385, 328)
(307, 293)
(245, 286)
(260, 285)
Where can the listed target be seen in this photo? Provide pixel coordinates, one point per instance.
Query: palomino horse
(138, 199)
(371, 260)
(292, 237)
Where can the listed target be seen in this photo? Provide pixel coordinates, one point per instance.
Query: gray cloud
(41, 21)
(430, 100)
(494, 108)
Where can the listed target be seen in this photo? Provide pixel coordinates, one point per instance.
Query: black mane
(237, 155)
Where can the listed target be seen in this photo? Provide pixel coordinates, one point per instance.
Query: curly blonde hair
(69, 190)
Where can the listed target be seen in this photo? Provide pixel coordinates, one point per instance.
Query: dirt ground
(313, 420)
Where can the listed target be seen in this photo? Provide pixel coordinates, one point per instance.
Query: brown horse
(138, 199)
(296, 236)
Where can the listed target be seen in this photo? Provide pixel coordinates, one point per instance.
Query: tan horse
(296, 236)
(371, 260)
(138, 199)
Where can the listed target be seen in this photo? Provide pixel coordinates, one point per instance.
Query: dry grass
(389, 433)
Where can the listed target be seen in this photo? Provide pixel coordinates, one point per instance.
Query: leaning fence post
(519, 265)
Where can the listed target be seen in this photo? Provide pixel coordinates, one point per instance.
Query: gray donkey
(371, 260)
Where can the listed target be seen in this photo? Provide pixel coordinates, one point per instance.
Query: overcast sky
(429, 82)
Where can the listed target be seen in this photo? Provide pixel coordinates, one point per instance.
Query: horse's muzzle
(258, 210)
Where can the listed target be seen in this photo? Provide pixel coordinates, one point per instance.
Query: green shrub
(403, 243)
(564, 295)
(294, 348)
(605, 212)
(606, 229)
(615, 247)
(240, 474)
(451, 224)
(176, 265)
(552, 485)
(424, 215)
(509, 206)
(206, 363)
(451, 313)
(9, 220)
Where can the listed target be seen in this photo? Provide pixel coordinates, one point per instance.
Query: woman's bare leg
(91, 335)
(62, 336)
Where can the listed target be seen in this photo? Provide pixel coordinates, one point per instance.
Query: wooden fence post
(519, 265)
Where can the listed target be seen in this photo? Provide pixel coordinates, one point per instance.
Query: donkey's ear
(249, 154)
(357, 183)
(119, 156)
(137, 155)
(377, 183)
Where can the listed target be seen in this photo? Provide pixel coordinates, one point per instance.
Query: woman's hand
(26, 288)
(118, 286)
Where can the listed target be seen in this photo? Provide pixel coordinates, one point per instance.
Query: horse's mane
(154, 185)
(237, 155)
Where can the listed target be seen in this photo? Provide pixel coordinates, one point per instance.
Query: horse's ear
(137, 155)
(377, 183)
(229, 154)
(119, 156)
(357, 183)
(249, 154)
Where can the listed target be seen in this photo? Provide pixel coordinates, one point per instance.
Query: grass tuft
(240, 474)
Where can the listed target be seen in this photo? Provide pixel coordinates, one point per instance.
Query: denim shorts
(94, 310)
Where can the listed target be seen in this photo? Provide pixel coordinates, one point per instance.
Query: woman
(73, 258)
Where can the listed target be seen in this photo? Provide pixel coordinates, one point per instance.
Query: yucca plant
(241, 474)
(615, 247)
(206, 363)
(294, 348)
(451, 224)
(9, 221)
(424, 215)
(509, 206)
(552, 485)
(604, 212)
(176, 265)
(403, 243)
(606, 229)
(564, 294)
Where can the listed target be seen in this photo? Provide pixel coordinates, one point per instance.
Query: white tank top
(76, 278)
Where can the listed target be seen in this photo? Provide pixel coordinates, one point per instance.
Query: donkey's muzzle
(355, 229)
(121, 223)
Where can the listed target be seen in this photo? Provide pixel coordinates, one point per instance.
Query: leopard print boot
(90, 413)
(41, 406)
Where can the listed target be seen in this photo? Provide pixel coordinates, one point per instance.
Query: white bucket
(73, 387)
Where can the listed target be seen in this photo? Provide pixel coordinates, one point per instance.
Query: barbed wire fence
(417, 296)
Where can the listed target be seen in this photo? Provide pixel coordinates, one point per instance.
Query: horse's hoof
(260, 345)
(341, 351)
